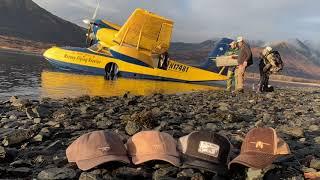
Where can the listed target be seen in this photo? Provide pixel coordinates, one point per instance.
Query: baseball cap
(240, 39)
(95, 148)
(268, 48)
(260, 148)
(205, 150)
(153, 145)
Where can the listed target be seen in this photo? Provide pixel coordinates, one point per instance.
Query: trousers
(240, 72)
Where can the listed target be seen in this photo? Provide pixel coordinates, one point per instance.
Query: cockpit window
(99, 48)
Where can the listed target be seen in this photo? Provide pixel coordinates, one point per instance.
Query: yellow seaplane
(138, 49)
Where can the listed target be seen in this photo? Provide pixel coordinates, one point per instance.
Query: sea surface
(33, 77)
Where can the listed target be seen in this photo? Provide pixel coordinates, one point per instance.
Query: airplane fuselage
(86, 61)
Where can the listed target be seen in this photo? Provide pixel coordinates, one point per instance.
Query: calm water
(33, 77)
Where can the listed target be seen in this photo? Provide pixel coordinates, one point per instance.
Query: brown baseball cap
(95, 148)
(153, 145)
(205, 150)
(260, 148)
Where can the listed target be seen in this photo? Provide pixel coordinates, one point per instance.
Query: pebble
(315, 163)
(2, 153)
(296, 132)
(317, 140)
(57, 173)
(314, 128)
(132, 128)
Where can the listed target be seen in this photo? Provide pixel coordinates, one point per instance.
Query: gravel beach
(35, 134)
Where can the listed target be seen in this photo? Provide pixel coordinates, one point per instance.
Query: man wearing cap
(244, 60)
(233, 51)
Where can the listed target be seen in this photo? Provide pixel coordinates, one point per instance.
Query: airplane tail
(221, 47)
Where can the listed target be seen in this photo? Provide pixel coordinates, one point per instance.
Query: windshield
(99, 48)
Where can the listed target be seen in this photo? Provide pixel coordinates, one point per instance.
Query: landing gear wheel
(112, 71)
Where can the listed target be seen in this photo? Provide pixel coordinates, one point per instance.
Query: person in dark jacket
(270, 63)
(244, 60)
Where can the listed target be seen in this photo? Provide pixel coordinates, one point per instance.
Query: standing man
(270, 63)
(234, 52)
(244, 60)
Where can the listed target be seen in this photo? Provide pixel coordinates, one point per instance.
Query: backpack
(277, 60)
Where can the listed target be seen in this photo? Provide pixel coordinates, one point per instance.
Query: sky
(199, 20)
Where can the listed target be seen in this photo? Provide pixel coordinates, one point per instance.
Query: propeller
(90, 35)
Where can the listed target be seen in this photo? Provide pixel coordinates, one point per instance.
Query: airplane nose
(49, 53)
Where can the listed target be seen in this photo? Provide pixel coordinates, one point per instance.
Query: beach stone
(39, 159)
(90, 176)
(224, 107)
(186, 173)
(13, 117)
(306, 169)
(41, 111)
(165, 172)
(21, 163)
(314, 128)
(98, 174)
(317, 140)
(254, 174)
(211, 126)
(38, 138)
(19, 103)
(315, 163)
(3, 153)
(37, 120)
(132, 128)
(197, 176)
(104, 123)
(30, 114)
(61, 114)
(19, 172)
(57, 173)
(130, 173)
(17, 136)
(296, 132)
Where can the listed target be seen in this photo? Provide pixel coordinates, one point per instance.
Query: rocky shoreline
(35, 134)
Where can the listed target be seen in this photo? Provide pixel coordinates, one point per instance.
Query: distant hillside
(25, 19)
(301, 59)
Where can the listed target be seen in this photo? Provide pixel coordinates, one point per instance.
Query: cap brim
(91, 163)
(254, 160)
(203, 165)
(145, 158)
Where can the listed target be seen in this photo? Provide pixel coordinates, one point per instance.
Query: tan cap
(153, 145)
(95, 148)
(260, 148)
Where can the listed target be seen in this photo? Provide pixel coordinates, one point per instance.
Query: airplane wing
(146, 31)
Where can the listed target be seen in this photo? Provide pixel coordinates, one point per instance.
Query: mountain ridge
(26, 19)
(301, 60)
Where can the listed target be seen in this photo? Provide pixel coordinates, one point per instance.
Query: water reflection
(59, 85)
(20, 74)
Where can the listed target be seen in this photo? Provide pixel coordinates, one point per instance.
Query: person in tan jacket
(244, 60)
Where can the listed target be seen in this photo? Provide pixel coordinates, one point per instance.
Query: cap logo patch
(209, 149)
(106, 148)
(260, 144)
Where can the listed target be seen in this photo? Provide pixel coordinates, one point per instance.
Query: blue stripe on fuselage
(115, 55)
(128, 59)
